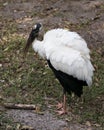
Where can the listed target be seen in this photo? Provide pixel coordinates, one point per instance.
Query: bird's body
(66, 52)
(68, 56)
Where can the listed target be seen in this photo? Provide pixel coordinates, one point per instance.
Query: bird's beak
(31, 38)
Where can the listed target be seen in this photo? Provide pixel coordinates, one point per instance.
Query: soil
(46, 121)
(84, 16)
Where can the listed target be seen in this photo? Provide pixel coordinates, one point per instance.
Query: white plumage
(67, 52)
(68, 56)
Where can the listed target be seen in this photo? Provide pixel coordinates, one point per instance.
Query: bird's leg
(64, 104)
(63, 108)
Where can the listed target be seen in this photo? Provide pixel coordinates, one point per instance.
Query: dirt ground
(84, 16)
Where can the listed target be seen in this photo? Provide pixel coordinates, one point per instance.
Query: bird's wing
(67, 38)
(71, 62)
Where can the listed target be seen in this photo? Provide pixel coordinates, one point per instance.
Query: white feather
(38, 46)
(72, 63)
(67, 52)
(67, 38)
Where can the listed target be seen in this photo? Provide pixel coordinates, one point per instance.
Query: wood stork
(67, 55)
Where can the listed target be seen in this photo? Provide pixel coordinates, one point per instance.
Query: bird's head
(33, 35)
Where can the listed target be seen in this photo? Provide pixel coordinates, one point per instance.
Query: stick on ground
(19, 106)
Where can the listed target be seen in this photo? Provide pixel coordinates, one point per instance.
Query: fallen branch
(19, 106)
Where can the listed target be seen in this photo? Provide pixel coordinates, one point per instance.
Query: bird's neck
(36, 41)
(38, 47)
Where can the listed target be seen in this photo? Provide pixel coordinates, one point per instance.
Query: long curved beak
(31, 38)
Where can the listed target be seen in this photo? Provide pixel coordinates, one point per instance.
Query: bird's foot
(59, 106)
(62, 111)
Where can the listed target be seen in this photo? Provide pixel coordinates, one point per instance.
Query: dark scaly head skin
(33, 34)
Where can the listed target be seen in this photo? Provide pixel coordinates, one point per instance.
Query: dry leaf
(97, 125)
(88, 123)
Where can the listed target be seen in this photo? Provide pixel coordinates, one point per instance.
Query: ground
(30, 81)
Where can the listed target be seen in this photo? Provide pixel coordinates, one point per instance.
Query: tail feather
(69, 83)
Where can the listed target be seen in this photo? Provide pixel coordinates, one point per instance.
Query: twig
(19, 106)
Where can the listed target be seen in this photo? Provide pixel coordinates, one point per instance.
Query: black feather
(69, 83)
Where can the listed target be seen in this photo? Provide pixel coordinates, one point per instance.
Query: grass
(6, 123)
(29, 80)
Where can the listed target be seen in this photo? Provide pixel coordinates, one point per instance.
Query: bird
(68, 56)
